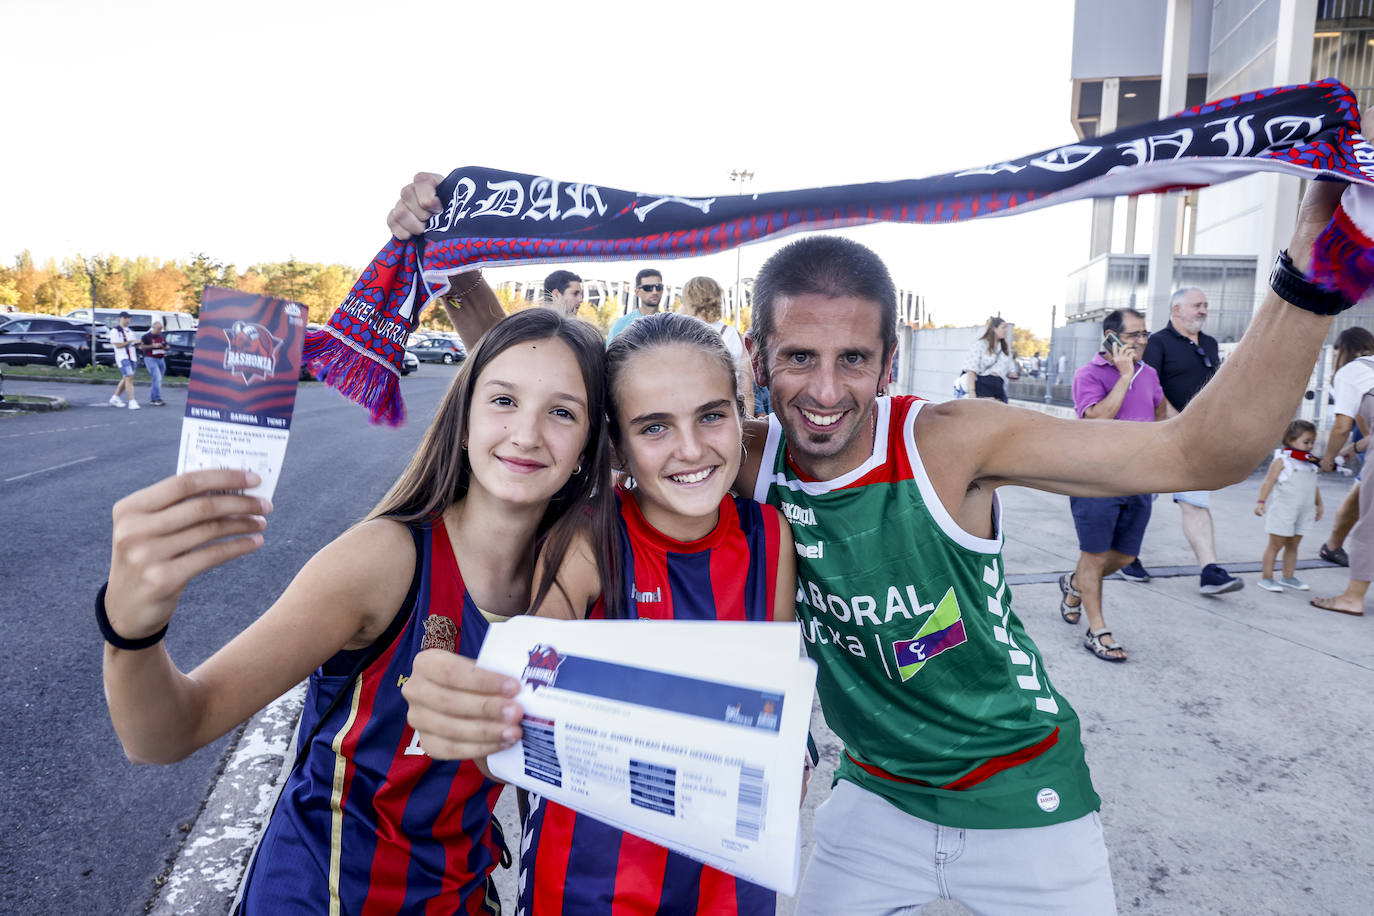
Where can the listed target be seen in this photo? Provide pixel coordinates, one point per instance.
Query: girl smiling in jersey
(366, 821)
(688, 550)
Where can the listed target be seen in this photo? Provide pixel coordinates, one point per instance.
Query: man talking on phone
(1186, 358)
(1114, 385)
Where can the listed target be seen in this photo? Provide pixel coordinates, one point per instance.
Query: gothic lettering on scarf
(543, 199)
(1236, 134)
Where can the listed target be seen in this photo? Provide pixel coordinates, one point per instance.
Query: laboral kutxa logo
(252, 351)
(542, 668)
(942, 631)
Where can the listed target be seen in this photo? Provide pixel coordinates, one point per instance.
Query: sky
(260, 131)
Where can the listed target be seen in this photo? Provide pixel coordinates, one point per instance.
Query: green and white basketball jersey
(927, 676)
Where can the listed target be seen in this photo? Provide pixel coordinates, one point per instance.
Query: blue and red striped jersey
(369, 824)
(572, 864)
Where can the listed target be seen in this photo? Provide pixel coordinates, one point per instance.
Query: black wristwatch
(1296, 289)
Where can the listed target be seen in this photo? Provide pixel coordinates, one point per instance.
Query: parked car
(181, 349)
(138, 318)
(140, 322)
(439, 350)
(44, 339)
(410, 363)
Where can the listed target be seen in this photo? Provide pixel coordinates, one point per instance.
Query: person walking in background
(154, 346)
(1114, 385)
(1186, 359)
(563, 293)
(1351, 601)
(1354, 375)
(701, 298)
(648, 295)
(990, 364)
(125, 345)
(1290, 503)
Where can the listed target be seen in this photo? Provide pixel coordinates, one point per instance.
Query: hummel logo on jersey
(797, 515)
(653, 597)
(810, 551)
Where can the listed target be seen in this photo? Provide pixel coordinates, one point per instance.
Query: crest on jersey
(252, 351)
(542, 668)
(942, 631)
(440, 633)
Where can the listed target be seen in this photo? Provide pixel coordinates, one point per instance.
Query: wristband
(1295, 289)
(456, 299)
(102, 620)
(1260, 501)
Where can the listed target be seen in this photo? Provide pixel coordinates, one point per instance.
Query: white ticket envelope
(690, 734)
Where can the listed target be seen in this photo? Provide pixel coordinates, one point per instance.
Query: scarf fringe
(1343, 258)
(357, 375)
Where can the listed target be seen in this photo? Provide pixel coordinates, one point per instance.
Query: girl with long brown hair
(688, 550)
(516, 460)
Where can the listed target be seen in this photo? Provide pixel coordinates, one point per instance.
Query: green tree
(112, 289)
(62, 289)
(328, 289)
(1024, 343)
(204, 271)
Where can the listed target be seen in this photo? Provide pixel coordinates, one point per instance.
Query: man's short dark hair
(557, 282)
(1116, 321)
(646, 272)
(826, 265)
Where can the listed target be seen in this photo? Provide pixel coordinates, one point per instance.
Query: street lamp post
(741, 176)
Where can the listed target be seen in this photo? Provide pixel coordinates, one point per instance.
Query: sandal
(1070, 612)
(1325, 604)
(1094, 644)
(1337, 556)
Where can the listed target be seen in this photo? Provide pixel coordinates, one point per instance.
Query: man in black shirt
(1186, 359)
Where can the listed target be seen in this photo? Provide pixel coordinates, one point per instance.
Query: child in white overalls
(1290, 503)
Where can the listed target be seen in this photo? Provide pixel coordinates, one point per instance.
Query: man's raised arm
(1216, 441)
(472, 307)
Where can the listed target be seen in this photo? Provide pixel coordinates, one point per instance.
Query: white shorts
(1200, 498)
(871, 858)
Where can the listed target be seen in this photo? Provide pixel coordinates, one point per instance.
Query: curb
(33, 403)
(167, 381)
(204, 877)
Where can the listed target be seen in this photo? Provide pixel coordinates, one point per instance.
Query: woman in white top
(1354, 375)
(701, 298)
(990, 364)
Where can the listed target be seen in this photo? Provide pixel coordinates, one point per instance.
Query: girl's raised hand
(167, 534)
(460, 711)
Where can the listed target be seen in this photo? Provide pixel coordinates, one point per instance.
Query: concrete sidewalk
(1231, 751)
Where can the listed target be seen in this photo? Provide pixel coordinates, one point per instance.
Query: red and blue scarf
(496, 217)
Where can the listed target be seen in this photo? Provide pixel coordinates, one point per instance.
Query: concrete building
(1139, 60)
(1212, 49)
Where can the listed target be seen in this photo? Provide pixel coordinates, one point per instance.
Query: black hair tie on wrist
(102, 620)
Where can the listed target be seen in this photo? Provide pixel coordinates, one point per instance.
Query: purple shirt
(1091, 383)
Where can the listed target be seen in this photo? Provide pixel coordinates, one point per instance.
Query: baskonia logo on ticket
(542, 668)
(252, 351)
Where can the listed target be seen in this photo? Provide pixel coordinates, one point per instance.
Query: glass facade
(1116, 281)
(1244, 40)
(1343, 45)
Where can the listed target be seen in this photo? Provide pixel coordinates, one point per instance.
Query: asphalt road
(82, 830)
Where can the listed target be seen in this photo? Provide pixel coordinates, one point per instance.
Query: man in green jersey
(963, 772)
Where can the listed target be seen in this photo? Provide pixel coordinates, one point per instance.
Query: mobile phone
(1111, 340)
